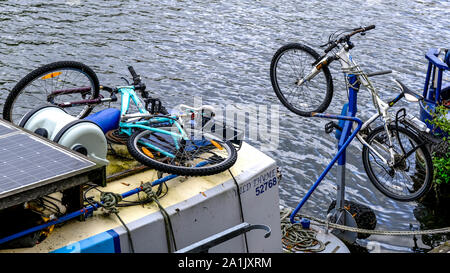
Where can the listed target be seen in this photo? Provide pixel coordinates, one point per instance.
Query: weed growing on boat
(441, 152)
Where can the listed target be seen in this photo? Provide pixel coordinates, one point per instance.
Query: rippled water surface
(221, 51)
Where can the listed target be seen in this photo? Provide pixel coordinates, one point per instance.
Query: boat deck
(184, 192)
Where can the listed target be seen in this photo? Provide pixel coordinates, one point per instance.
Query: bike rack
(340, 215)
(341, 152)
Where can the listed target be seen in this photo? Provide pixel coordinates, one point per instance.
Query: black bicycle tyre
(181, 170)
(43, 70)
(427, 160)
(273, 77)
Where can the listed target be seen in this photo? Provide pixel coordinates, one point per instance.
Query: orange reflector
(51, 75)
(147, 152)
(216, 144)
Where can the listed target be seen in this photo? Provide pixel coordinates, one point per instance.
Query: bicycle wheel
(220, 155)
(290, 64)
(43, 85)
(409, 177)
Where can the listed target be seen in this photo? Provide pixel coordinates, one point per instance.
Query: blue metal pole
(51, 223)
(438, 87)
(330, 165)
(351, 112)
(351, 109)
(427, 81)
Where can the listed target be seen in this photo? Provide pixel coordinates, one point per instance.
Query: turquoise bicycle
(155, 138)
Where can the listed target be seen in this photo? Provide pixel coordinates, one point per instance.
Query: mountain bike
(155, 137)
(395, 156)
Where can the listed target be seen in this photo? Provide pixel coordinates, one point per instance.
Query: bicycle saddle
(408, 91)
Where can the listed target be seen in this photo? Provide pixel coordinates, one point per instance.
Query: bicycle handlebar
(137, 82)
(362, 29)
(136, 78)
(345, 38)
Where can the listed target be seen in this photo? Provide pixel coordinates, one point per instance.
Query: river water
(220, 51)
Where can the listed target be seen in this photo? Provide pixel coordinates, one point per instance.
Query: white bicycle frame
(349, 66)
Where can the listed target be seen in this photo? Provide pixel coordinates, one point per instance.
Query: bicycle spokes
(65, 84)
(181, 154)
(408, 173)
(301, 87)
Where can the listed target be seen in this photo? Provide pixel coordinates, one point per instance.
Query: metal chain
(377, 232)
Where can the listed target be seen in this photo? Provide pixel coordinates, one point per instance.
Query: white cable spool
(80, 135)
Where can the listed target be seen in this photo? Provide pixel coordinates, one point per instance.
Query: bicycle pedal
(330, 126)
(154, 105)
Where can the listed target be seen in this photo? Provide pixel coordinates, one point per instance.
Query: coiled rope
(296, 238)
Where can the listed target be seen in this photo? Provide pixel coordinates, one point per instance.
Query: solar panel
(4, 129)
(28, 162)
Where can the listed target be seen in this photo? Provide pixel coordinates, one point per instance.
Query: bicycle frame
(128, 122)
(81, 90)
(350, 67)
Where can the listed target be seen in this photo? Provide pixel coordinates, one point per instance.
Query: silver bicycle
(395, 155)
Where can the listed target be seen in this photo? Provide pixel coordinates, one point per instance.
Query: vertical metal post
(425, 93)
(342, 216)
(340, 188)
(346, 131)
(439, 86)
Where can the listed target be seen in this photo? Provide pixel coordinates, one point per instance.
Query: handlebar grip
(132, 72)
(362, 29)
(329, 48)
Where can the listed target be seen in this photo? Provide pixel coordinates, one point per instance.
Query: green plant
(441, 169)
(441, 152)
(440, 120)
